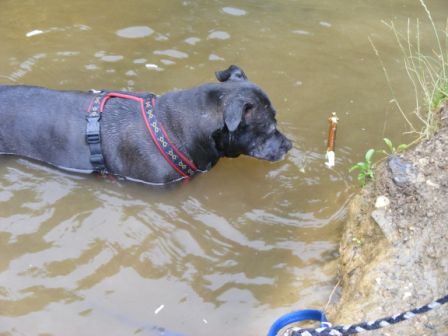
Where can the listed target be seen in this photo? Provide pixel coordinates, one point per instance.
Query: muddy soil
(394, 256)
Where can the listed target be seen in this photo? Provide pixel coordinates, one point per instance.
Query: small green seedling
(392, 149)
(440, 94)
(357, 241)
(365, 168)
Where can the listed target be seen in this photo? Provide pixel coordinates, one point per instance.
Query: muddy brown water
(235, 248)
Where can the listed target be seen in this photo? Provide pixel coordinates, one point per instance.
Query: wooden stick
(333, 120)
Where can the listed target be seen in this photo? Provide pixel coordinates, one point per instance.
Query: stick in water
(330, 156)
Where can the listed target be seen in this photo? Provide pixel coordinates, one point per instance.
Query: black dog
(141, 137)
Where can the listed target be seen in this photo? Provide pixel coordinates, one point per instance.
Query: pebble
(382, 202)
(432, 184)
(402, 171)
(407, 295)
(379, 216)
(423, 161)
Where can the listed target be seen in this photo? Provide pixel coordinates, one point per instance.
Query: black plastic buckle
(93, 129)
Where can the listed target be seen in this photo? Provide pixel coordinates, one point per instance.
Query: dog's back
(42, 124)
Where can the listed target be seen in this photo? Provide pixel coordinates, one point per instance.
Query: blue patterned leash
(299, 316)
(327, 330)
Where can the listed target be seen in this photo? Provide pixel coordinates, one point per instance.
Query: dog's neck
(193, 134)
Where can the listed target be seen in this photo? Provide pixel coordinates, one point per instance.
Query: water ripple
(171, 53)
(234, 11)
(135, 32)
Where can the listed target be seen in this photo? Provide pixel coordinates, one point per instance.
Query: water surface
(235, 248)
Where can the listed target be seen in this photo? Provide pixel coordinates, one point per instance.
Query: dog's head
(249, 121)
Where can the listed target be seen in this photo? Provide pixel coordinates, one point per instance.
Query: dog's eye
(248, 109)
(248, 106)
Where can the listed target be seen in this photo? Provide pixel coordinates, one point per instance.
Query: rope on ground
(325, 330)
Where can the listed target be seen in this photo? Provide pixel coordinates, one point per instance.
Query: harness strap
(169, 151)
(93, 135)
(172, 155)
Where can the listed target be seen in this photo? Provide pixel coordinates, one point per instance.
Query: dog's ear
(233, 73)
(233, 114)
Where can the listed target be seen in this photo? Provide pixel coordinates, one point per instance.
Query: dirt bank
(394, 258)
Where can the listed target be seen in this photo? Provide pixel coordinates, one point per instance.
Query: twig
(332, 293)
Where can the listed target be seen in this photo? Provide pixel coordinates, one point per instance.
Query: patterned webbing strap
(172, 155)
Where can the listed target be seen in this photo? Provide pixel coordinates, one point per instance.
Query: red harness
(169, 151)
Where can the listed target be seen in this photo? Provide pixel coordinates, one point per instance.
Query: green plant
(440, 95)
(357, 241)
(365, 168)
(427, 71)
(392, 150)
